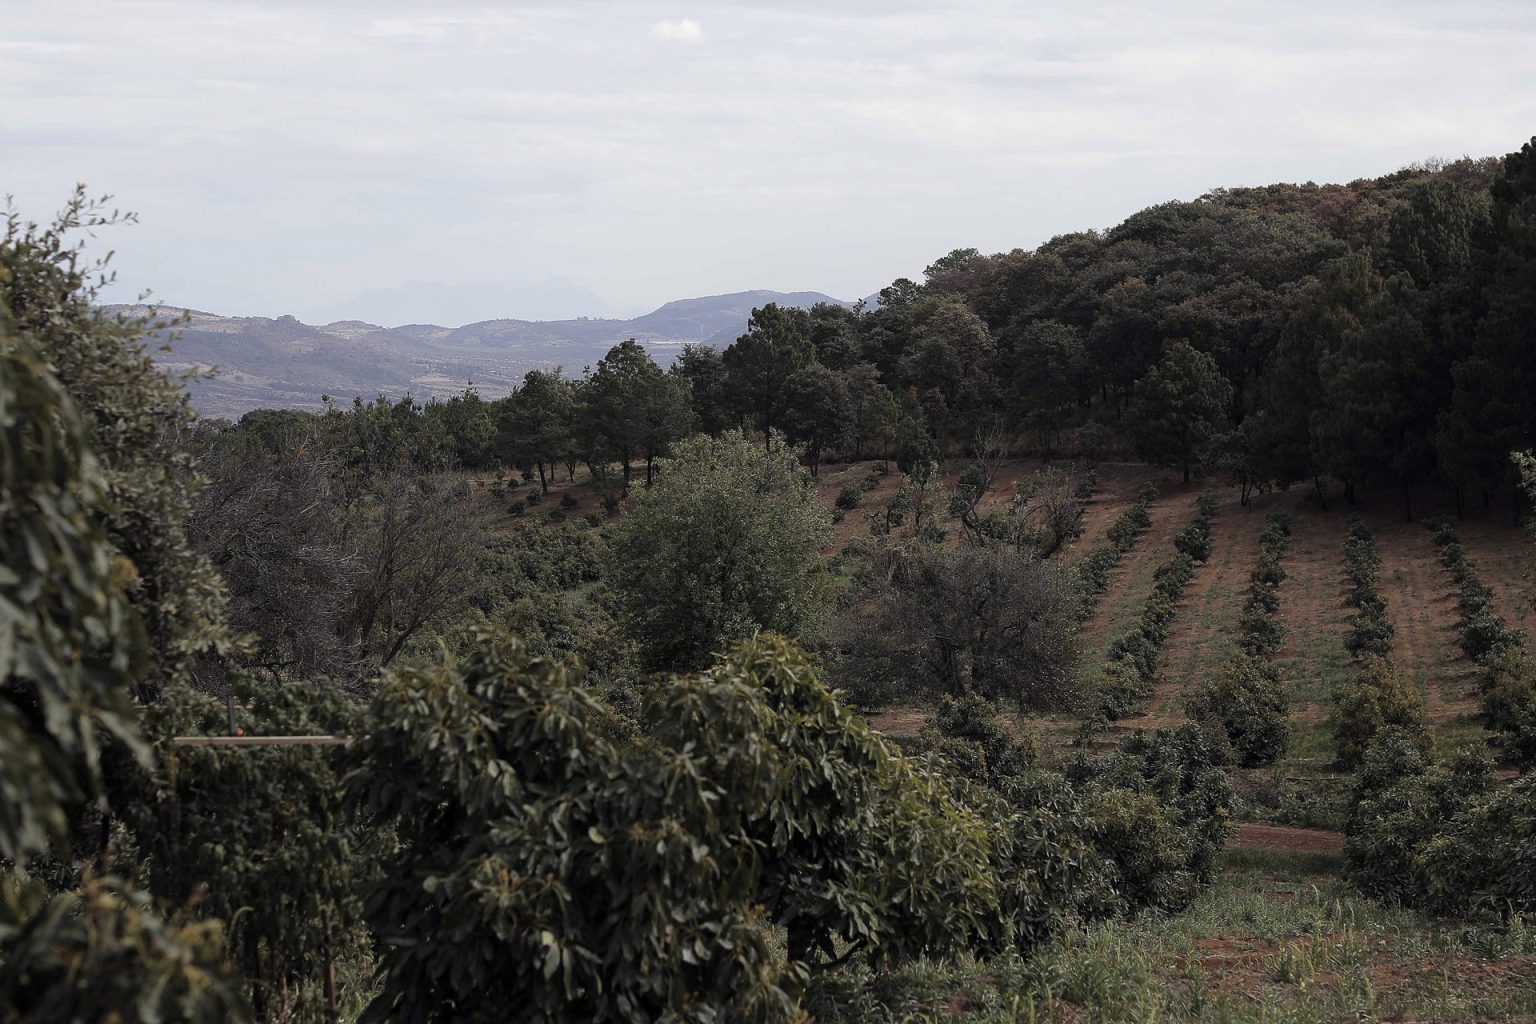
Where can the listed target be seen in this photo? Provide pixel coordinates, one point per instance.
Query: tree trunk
(650, 462)
(1349, 491)
(1461, 502)
(1407, 501)
(543, 483)
(1322, 502)
(1186, 472)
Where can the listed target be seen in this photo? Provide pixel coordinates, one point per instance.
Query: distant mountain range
(466, 302)
(282, 363)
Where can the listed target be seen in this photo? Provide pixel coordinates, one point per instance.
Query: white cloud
(678, 30)
(833, 144)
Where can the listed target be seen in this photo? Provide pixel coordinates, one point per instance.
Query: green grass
(1276, 938)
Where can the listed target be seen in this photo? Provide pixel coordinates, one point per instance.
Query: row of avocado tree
(1508, 676)
(1377, 699)
(1444, 833)
(1243, 707)
(1130, 663)
(1093, 571)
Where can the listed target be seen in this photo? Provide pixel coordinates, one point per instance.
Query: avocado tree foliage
(132, 409)
(71, 649)
(546, 862)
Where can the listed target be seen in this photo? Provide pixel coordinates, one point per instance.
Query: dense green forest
(614, 766)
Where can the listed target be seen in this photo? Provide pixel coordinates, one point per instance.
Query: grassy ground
(1277, 938)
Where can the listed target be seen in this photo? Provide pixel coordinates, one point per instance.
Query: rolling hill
(261, 362)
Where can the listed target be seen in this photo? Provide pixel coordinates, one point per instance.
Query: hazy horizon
(290, 157)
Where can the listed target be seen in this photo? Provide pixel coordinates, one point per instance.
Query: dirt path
(1312, 607)
(1256, 835)
(1205, 629)
(1421, 603)
(1131, 581)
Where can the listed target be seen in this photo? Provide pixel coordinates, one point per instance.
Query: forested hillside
(1344, 337)
(1124, 629)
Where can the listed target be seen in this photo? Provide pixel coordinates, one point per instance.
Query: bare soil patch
(1251, 835)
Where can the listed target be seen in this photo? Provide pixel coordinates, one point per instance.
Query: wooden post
(260, 741)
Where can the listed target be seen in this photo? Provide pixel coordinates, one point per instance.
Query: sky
(288, 156)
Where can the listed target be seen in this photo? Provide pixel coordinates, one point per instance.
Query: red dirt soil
(1254, 835)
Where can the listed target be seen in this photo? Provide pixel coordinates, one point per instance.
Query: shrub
(1484, 635)
(849, 497)
(842, 820)
(728, 542)
(1121, 687)
(517, 508)
(1249, 701)
(1371, 634)
(1259, 633)
(1509, 701)
(1159, 811)
(1399, 801)
(1487, 859)
(973, 719)
(1377, 699)
(568, 500)
(534, 496)
(1443, 836)
(516, 804)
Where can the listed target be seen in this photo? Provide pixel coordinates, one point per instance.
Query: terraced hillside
(1419, 592)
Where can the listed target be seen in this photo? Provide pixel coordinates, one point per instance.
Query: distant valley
(283, 363)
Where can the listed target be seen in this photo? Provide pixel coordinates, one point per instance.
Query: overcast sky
(284, 156)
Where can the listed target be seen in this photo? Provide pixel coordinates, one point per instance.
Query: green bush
(568, 500)
(1444, 836)
(1370, 635)
(1248, 700)
(515, 805)
(849, 497)
(1509, 701)
(974, 721)
(1375, 700)
(1486, 860)
(1484, 635)
(1259, 633)
(756, 798)
(1400, 800)
(845, 821)
(1120, 688)
(1159, 811)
